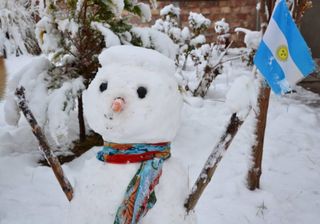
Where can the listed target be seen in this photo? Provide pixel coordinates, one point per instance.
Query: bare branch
(212, 162)
(210, 73)
(43, 143)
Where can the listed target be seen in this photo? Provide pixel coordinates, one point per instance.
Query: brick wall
(236, 12)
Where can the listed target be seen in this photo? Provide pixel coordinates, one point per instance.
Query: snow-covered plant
(198, 23)
(187, 38)
(168, 23)
(194, 49)
(16, 29)
(223, 36)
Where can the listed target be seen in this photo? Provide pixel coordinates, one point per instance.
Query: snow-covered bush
(197, 60)
(16, 29)
(168, 23)
(187, 38)
(52, 107)
(222, 30)
(198, 23)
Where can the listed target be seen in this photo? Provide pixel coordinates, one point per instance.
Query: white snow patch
(242, 96)
(221, 26)
(252, 39)
(197, 20)
(110, 38)
(170, 9)
(152, 38)
(145, 12)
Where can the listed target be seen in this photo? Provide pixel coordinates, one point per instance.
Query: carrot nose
(117, 104)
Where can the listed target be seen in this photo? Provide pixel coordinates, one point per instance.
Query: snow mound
(241, 96)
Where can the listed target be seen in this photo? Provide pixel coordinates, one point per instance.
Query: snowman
(134, 104)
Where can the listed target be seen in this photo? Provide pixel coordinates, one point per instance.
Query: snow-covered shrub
(75, 34)
(16, 29)
(187, 38)
(223, 36)
(198, 61)
(52, 107)
(168, 23)
(198, 23)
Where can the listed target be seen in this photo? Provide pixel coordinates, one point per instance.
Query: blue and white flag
(283, 56)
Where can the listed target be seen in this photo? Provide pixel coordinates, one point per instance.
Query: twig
(43, 143)
(212, 162)
(233, 58)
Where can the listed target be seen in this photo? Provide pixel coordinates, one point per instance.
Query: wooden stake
(43, 143)
(254, 173)
(212, 162)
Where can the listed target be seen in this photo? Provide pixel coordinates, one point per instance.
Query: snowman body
(134, 98)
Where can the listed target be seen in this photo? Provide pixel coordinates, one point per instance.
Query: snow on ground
(290, 181)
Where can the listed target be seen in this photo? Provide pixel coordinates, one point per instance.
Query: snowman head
(134, 97)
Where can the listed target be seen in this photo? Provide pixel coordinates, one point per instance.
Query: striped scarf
(139, 196)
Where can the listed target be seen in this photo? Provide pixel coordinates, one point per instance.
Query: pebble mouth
(109, 117)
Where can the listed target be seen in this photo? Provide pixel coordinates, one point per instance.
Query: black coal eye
(142, 92)
(103, 86)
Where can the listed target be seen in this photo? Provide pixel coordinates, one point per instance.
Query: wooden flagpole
(254, 173)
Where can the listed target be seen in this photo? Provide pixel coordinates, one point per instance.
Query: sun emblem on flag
(282, 53)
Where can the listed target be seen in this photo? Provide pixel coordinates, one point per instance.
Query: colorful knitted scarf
(140, 195)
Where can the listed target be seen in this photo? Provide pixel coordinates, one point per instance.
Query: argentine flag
(283, 56)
